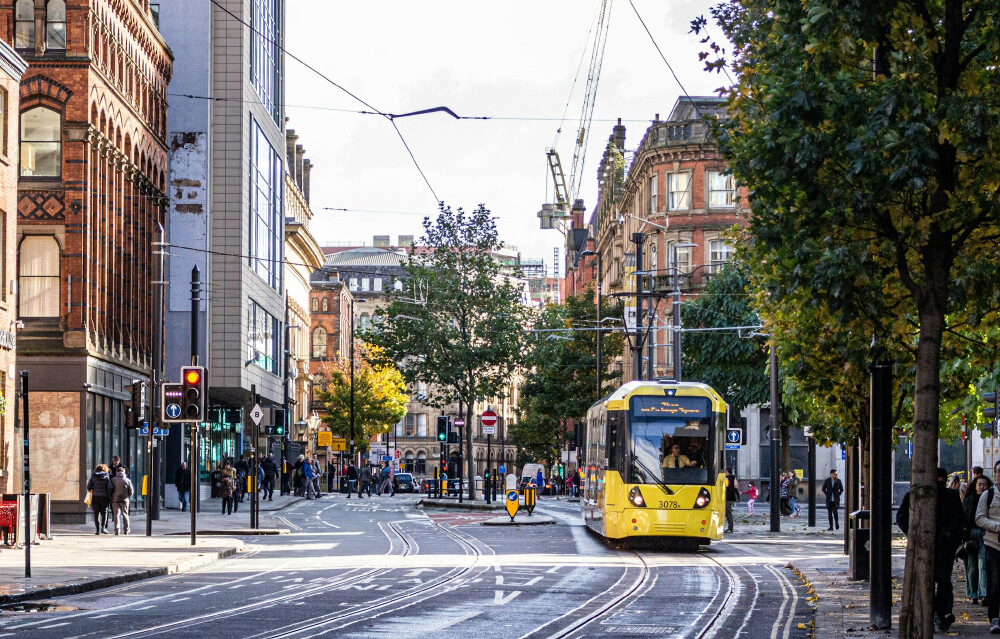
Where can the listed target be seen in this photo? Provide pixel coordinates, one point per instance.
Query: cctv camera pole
(152, 492)
(193, 464)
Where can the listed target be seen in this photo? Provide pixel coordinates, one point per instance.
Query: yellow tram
(654, 464)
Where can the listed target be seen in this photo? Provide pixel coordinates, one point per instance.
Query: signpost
(257, 414)
(324, 438)
(734, 439)
(157, 432)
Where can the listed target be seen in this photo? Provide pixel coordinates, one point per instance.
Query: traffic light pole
(193, 464)
(156, 378)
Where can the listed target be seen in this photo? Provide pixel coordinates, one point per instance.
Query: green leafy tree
(561, 383)
(458, 325)
(379, 396)
(875, 183)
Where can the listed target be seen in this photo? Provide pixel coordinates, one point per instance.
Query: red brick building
(12, 66)
(93, 164)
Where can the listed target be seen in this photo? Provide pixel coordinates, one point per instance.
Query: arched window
(41, 143)
(315, 305)
(38, 277)
(24, 24)
(366, 322)
(319, 343)
(408, 463)
(326, 305)
(55, 25)
(421, 466)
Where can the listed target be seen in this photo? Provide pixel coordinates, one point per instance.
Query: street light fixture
(300, 427)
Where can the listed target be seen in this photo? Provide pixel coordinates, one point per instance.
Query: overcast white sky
(514, 59)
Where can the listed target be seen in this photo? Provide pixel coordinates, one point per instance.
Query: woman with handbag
(973, 551)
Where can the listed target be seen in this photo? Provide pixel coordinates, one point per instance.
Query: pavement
(76, 560)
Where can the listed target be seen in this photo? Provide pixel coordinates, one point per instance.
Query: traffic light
(277, 427)
(135, 404)
(992, 412)
(193, 402)
(442, 428)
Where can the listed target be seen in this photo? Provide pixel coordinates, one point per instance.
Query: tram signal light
(442, 428)
(135, 404)
(195, 392)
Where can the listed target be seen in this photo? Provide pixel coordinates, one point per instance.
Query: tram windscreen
(670, 439)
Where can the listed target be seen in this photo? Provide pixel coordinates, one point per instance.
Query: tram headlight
(703, 499)
(635, 496)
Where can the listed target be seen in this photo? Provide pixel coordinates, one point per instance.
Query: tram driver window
(670, 440)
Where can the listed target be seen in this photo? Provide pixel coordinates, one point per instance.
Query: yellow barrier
(144, 481)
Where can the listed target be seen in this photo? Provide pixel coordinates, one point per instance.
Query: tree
(561, 382)
(458, 325)
(874, 178)
(379, 396)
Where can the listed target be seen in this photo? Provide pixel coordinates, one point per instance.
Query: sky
(515, 59)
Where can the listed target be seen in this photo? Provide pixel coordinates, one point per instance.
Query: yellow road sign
(513, 502)
(324, 438)
(338, 444)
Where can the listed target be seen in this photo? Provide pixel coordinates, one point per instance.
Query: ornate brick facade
(93, 183)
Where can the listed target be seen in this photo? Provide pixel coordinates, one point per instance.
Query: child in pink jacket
(751, 493)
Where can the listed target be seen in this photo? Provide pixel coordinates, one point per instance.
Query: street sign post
(257, 414)
(502, 469)
(157, 432)
(489, 430)
(338, 444)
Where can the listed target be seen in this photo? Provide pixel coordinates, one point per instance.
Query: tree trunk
(916, 619)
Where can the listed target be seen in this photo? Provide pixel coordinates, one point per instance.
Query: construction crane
(552, 215)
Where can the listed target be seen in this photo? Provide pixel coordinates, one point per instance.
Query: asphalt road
(352, 568)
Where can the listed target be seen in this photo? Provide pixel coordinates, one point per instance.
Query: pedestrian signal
(442, 428)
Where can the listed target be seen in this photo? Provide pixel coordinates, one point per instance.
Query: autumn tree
(867, 135)
(379, 396)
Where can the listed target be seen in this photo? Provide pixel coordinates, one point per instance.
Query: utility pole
(638, 238)
(880, 586)
(352, 378)
(287, 405)
(27, 476)
(195, 334)
(811, 469)
(775, 443)
(156, 377)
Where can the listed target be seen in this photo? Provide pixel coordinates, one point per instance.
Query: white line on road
(107, 614)
(180, 599)
(55, 625)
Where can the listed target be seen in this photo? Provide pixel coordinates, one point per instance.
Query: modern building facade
(91, 193)
(227, 210)
(12, 67)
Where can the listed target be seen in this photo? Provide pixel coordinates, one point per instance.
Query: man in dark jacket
(100, 489)
(352, 480)
(949, 533)
(270, 470)
(732, 496)
(182, 481)
(833, 488)
(120, 500)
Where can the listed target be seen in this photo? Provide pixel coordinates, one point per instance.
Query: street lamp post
(352, 373)
(677, 310)
(600, 271)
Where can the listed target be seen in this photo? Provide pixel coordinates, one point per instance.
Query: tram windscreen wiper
(646, 471)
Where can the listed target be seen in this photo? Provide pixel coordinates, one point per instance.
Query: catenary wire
(672, 72)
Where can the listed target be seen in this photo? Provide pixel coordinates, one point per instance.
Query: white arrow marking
(499, 599)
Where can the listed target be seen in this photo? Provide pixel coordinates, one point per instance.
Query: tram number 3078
(669, 504)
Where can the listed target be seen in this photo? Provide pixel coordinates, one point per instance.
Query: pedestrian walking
(540, 481)
(317, 475)
(242, 468)
(793, 492)
(226, 487)
(182, 482)
(751, 493)
(833, 488)
(298, 488)
(307, 476)
(973, 552)
(116, 463)
(949, 534)
(732, 496)
(988, 520)
(100, 489)
(366, 480)
(270, 471)
(783, 495)
(386, 484)
(122, 491)
(569, 487)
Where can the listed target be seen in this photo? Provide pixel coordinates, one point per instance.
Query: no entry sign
(489, 418)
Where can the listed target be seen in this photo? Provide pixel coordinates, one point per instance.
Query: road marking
(180, 599)
(782, 580)
(55, 625)
(147, 607)
(107, 614)
(499, 599)
(210, 592)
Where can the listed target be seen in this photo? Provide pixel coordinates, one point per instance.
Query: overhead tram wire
(576, 78)
(322, 75)
(658, 50)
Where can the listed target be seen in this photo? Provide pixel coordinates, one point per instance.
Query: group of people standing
(306, 475)
(109, 489)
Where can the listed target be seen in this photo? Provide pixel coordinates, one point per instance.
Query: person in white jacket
(988, 518)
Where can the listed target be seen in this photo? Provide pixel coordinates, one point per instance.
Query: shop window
(38, 277)
(41, 143)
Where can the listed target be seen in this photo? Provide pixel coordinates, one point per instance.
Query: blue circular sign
(512, 495)
(503, 469)
(173, 411)
(733, 436)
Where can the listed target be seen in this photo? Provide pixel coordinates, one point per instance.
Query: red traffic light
(192, 377)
